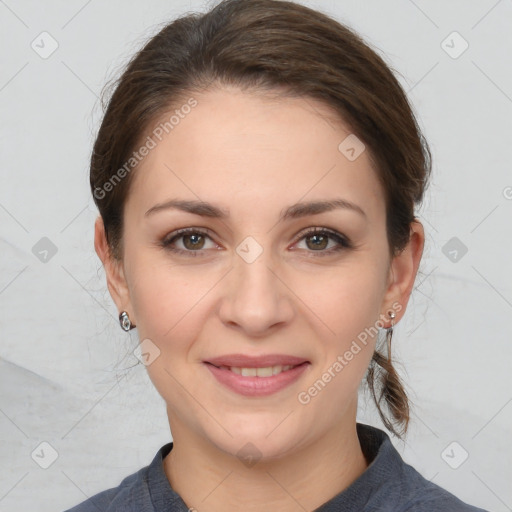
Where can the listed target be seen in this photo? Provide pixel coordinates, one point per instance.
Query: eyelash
(343, 242)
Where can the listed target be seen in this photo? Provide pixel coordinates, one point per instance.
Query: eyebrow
(294, 211)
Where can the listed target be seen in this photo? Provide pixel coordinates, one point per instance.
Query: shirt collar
(383, 459)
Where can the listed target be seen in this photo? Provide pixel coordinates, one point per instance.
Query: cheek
(171, 306)
(349, 306)
(345, 301)
(344, 308)
(168, 299)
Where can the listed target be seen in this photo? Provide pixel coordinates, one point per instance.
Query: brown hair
(270, 45)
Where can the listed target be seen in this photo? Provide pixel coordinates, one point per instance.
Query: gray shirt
(387, 485)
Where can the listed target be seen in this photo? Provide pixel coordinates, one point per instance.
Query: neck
(209, 479)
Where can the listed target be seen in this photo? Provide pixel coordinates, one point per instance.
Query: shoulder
(121, 497)
(137, 492)
(421, 495)
(397, 486)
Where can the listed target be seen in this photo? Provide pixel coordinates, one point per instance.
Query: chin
(254, 440)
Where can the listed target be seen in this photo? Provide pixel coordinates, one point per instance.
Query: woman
(256, 174)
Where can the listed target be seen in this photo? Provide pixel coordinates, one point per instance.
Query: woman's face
(250, 277)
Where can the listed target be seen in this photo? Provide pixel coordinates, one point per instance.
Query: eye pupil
(320, 241)
(196, 240)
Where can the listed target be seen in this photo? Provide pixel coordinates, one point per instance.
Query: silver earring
(124, 320)
(389, 333)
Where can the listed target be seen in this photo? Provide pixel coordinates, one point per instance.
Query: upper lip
(245, 361)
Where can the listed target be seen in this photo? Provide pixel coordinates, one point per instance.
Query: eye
(195, 241)
(189, 241)
(324, 241)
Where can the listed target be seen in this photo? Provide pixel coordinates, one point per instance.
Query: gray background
(67, 373)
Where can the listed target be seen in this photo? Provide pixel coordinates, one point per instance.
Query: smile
(257, 381)
(266, 371)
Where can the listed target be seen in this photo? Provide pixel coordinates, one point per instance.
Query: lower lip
(257, 386)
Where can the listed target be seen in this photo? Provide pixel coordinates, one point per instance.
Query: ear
(402, 274)
(114, 271)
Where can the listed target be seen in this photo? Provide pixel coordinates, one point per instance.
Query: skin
(254, 156)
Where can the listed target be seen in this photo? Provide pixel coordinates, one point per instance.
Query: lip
(257, 386)
(245, 361)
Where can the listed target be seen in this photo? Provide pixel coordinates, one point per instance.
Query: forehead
(236, 149)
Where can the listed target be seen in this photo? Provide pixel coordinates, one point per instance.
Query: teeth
(268, 371)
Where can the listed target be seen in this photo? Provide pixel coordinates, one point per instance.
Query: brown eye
(193, 241)
(323, 241)
(189, 242)
(317, 242)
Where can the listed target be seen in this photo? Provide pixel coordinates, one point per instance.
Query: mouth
(256, 366)
(260, 371)
(257, 376)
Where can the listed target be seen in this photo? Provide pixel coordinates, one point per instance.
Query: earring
(124, 320)
(389, 333)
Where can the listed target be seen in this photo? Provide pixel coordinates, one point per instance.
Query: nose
(255, 299)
